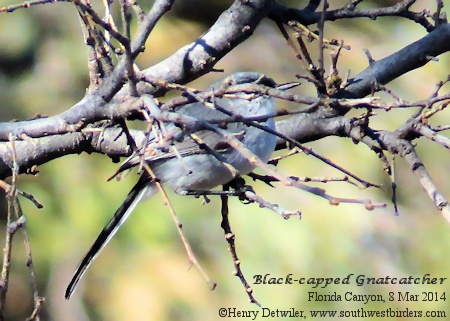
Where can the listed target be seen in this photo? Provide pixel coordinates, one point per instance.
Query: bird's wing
(201, 142)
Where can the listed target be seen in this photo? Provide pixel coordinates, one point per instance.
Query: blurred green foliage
(144, 272)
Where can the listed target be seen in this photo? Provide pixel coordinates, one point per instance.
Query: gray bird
(197, 168)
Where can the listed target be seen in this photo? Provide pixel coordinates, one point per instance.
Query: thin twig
(28, 4)
(7, 187)
(306, 179)
(37, 300)
(230, 237)
(256, 161)
(251, 195)
(192, 258)
(432, 135)
(321, 28)
(394, 187)
(248, 195)
(86, 7)
(418, 168)
(11, 228)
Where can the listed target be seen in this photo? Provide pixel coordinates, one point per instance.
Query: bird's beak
(287, 86)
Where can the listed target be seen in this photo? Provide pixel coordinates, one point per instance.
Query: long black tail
(137, 192)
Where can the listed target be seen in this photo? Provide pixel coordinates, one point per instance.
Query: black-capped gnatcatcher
(197, 168)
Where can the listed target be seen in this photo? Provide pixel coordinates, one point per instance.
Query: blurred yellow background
(144, 272)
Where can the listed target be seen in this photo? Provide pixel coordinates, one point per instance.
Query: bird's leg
(238, 184)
